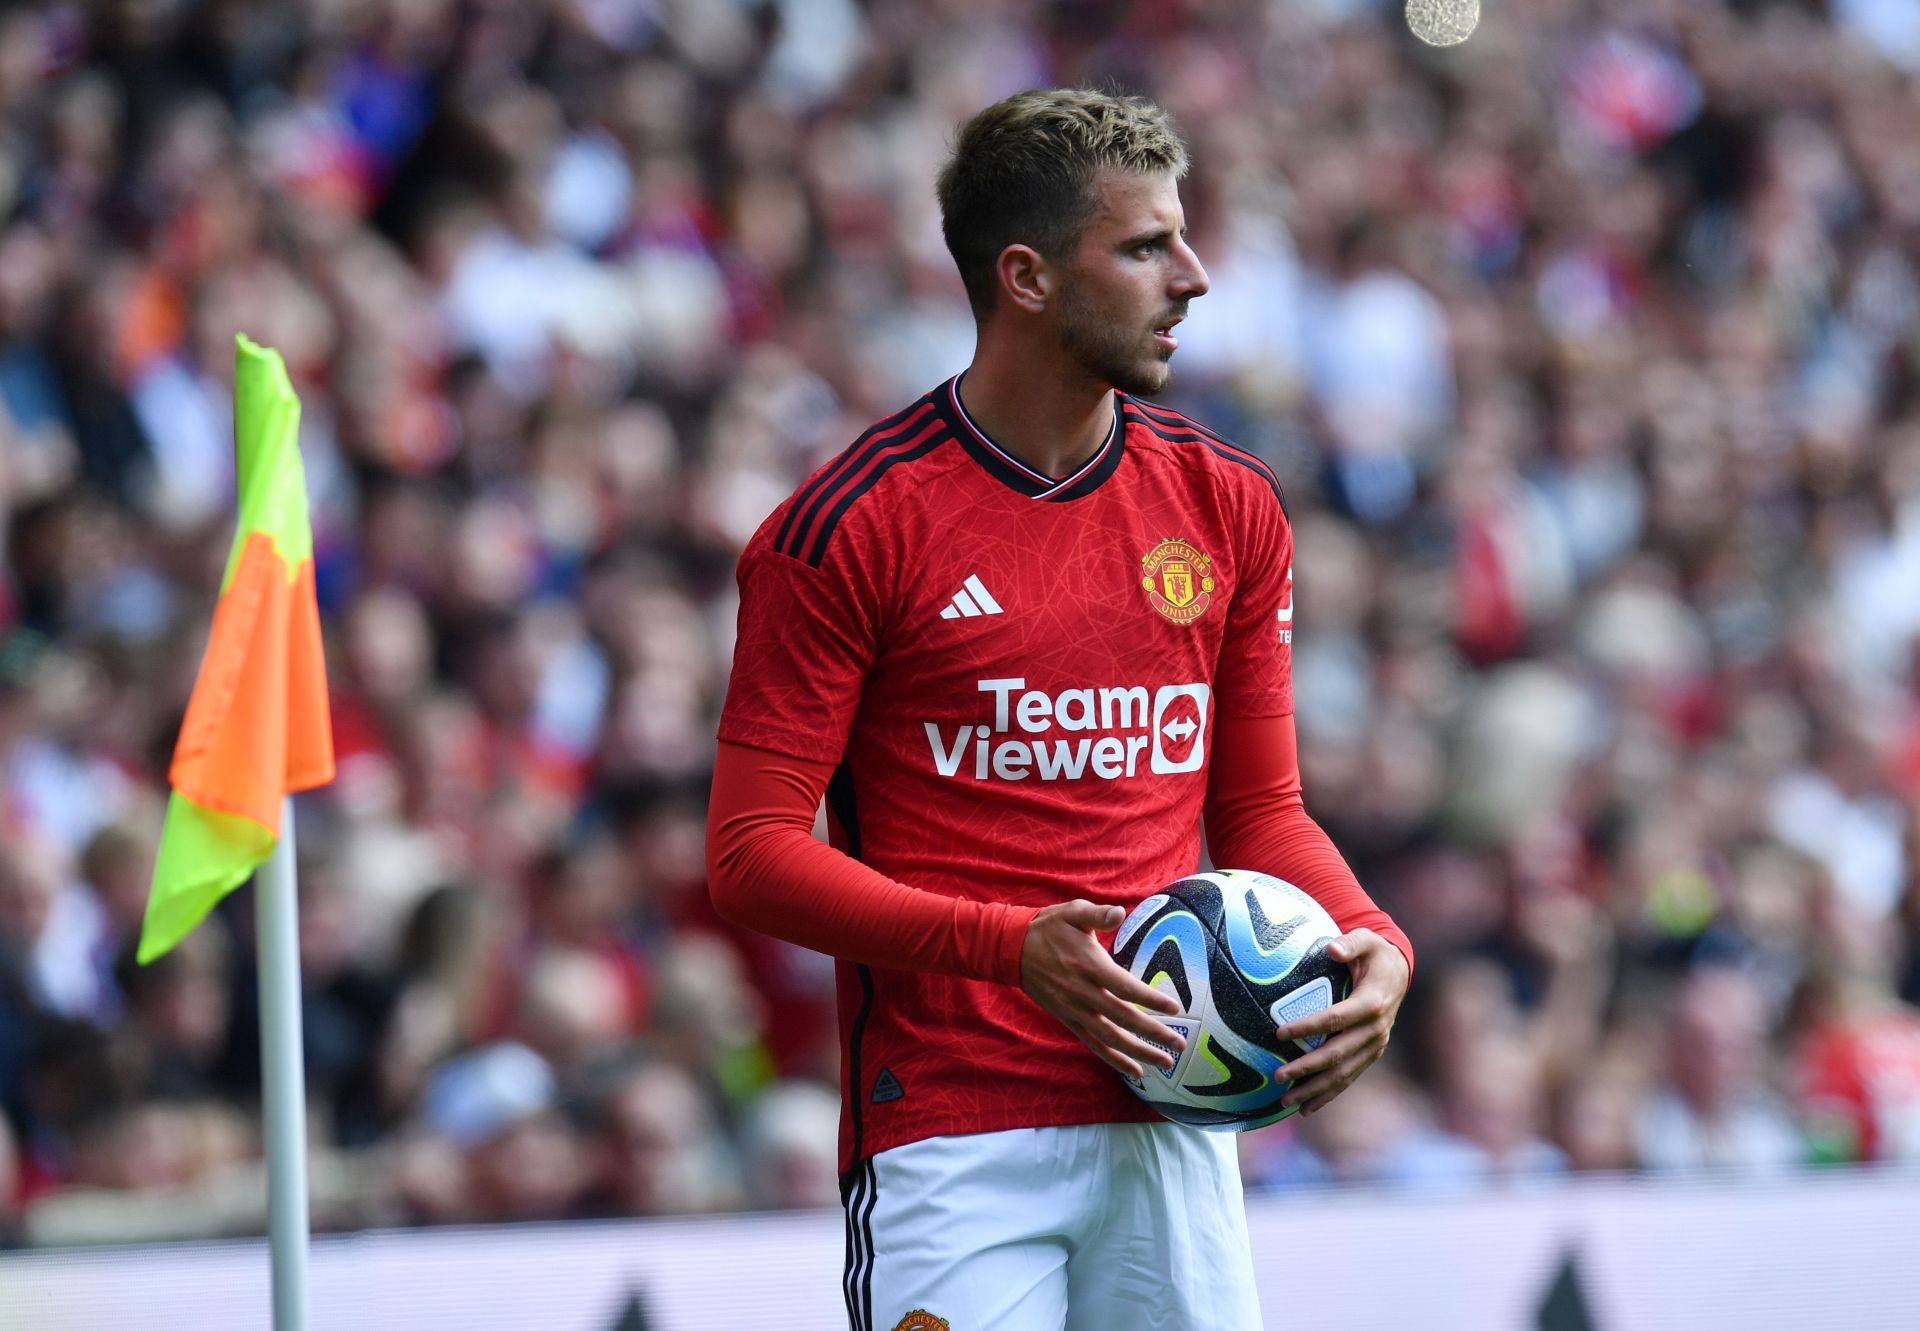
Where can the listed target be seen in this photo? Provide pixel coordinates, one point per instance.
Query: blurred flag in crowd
(256, 726)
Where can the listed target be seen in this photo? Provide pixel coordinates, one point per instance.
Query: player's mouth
(1163, 334)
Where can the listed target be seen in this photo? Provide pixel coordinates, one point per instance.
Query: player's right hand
(1065, 970)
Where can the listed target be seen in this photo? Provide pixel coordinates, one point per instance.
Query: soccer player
(1022, 636)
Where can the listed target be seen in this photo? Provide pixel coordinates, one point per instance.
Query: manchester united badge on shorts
(1178, 580)
(920, 1320)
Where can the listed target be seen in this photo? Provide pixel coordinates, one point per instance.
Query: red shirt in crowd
(1859, 1083)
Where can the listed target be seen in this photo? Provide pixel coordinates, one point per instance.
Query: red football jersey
(1016, 676)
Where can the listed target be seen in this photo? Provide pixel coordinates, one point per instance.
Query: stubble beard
(1110, 352)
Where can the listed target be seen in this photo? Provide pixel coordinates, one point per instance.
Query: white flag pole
(283, 1078)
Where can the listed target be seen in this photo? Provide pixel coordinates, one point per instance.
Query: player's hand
(1066, 971)
(1356, 1028)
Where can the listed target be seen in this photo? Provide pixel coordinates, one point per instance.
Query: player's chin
(1151, 375)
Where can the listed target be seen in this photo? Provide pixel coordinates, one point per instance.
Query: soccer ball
(1242, 951)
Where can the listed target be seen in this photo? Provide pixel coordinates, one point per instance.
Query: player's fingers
(1143, 1024)
(1322, 1099)
(1086, 915)
(1124, 984)
(1318, 1060)
(1071, 1008)
(1350, 945)
(1120, 1063)
(1315, 1106)
(1095, 1035)
(1356, 1009)
(1314, 1092)
(1131, 1047)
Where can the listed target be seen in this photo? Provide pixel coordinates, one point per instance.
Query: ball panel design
(1204, 895)
(1168, 962)
(1239, 1084)
(1136, 919)
(1171, 945)
(1269, 934)
(1268, 927)
(1240, 1010)
(1316, 996)
(1317, 968)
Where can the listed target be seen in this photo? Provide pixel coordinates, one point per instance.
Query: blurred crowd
(1587, 351)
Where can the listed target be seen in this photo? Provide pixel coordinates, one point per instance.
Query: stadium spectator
(519, 1157)
(1489, 1126)
(659, 1148)
(788, 1143)
(180, 1015)
(1857, 1062)
(1715, 1110)
(1593, 1118)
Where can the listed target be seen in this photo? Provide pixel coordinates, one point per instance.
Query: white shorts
(1107, 1227)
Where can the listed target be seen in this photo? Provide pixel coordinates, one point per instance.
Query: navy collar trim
(1017, 475)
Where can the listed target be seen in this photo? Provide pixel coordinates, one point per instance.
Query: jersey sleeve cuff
(1012, 942)
(1394, 935)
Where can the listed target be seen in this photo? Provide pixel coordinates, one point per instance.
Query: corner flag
(256, 726)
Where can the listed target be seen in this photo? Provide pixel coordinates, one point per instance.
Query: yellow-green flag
(256, 726)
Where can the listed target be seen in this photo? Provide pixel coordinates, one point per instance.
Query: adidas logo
(887, 1088)
(972, 599)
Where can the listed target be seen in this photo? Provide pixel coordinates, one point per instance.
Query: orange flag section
(256, 727)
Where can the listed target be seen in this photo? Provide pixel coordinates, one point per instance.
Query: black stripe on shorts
(859, 1192)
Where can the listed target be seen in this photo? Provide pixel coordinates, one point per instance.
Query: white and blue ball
(1242, 952)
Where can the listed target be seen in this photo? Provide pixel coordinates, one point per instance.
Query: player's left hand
(1356, 1028)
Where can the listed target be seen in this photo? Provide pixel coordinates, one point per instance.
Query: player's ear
(1026, 279)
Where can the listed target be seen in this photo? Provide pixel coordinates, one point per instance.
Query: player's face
(1129, 283)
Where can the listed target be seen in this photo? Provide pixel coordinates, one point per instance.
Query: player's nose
(1189, 276)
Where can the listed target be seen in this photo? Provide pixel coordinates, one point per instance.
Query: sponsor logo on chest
(1107, 733)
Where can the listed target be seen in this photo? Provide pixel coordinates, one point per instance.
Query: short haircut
(1022, 174)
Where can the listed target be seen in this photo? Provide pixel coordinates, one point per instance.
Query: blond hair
(1022, 174)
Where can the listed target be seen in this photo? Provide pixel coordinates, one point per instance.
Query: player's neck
(1049, 419)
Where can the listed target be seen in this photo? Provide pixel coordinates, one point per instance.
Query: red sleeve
(1256, 819)
(1255, 673)
(766, 871)
(806, 640)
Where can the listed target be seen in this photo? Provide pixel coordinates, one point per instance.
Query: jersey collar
(1017, 475)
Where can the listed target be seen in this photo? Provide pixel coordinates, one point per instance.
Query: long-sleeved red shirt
(1013, 690)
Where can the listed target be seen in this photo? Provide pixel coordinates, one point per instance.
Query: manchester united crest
(920, 1320)
(1178, 580)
